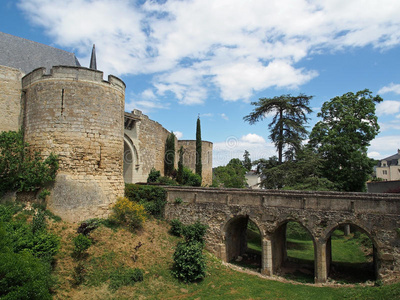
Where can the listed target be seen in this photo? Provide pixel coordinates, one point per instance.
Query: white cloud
(395, 88)
(233, 147)
(224, 116)
(387, 107)
(178, 134)
(239, 47)
(385, 146)
(375, 155)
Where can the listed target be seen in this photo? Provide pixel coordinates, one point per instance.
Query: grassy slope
(112, 249)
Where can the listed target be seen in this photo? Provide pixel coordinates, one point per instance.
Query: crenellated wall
(75, 114)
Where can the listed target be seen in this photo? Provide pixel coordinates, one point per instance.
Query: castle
(72, 112)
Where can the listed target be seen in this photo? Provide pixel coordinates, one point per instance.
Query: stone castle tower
(72, 112)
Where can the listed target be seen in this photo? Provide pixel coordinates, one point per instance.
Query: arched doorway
(351, 254)
(243, 243)
(293, 252)
(128, 163)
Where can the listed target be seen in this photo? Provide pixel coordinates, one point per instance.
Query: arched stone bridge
(227, 211)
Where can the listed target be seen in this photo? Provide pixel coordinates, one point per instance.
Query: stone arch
(131, 159)
(279, 244)
(234, 233)
(362, 229)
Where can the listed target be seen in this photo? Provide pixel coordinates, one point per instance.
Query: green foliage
(81, 244)
(246, 160)
(124, 277)
(178, 200)
(88, 226)
(179, 175)
(79, 274)
(21, 170)
(153, 175)
(362, 239)
(304, 173)
(176, 227)
(164, 180)
(189, 178)
(130, 213)
(189, 262)
(43, 194)
(288, 125)
(195, 232)
(348, 125)
(153, 198)
(297, 232)
(232, 175)
(23, 276)
(39, 222)
(199, 165)
(169, 156)
(25, 257)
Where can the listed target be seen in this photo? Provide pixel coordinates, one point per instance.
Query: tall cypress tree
(169, 157)
(198, 148)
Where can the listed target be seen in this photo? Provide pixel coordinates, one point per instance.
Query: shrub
(164, 180)
(178, 200)
(88, 226)
(153, 198)
(82, 243)
(153, 175)
(189, 178)
(38, 222)
(189, 262)
(129, 213)
(176, 227)
(23, 276)
(125, 276)
(19, 169)
(195, 232)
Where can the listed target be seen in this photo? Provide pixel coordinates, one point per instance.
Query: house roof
(392, 160)
(26, 55)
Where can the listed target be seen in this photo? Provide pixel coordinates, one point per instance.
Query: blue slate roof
(26, 55)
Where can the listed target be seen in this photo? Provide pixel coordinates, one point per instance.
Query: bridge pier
(320, 262)
(266, 259)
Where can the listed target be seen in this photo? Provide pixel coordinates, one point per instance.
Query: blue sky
(183, 58)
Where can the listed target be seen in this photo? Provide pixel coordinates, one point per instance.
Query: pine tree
(198, 148)
(179, 176)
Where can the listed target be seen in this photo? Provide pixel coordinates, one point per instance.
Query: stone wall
(189, 158)
(77, 115)
(224, 210)
(10, 98)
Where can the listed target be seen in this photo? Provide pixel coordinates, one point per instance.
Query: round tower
(75, 114)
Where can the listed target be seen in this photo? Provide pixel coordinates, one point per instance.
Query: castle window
(384, 172)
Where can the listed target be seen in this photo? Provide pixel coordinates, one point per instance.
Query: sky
(182, 59)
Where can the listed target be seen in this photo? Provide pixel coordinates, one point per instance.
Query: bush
(153, 175)
(38, 222)
(82, 243)
(195, 232)
(189, 262)
(164, 180)
(153, 198)
(190, 179)
(178, 200)
(129, 213)
(88, 226)
(19, 169)
(176, 227)
(125, 276)
(23, 276)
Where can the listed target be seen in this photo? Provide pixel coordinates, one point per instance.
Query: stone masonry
(77, 115)
(227, 211)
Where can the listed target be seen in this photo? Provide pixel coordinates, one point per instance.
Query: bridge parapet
(227, 211)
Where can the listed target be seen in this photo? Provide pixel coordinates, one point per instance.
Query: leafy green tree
(348, 125)
(232, 175)
(288, 124)
(169, 156)
(246, 160)
(263, 164)
(198, 149)
(21, 170)
(304, 173)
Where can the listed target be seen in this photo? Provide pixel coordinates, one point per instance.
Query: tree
(232, 175)
(246, 160)
(288, 124)
(179, 176)
(198, 148)
(169, 157)
(21, 170)
(348, 125)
